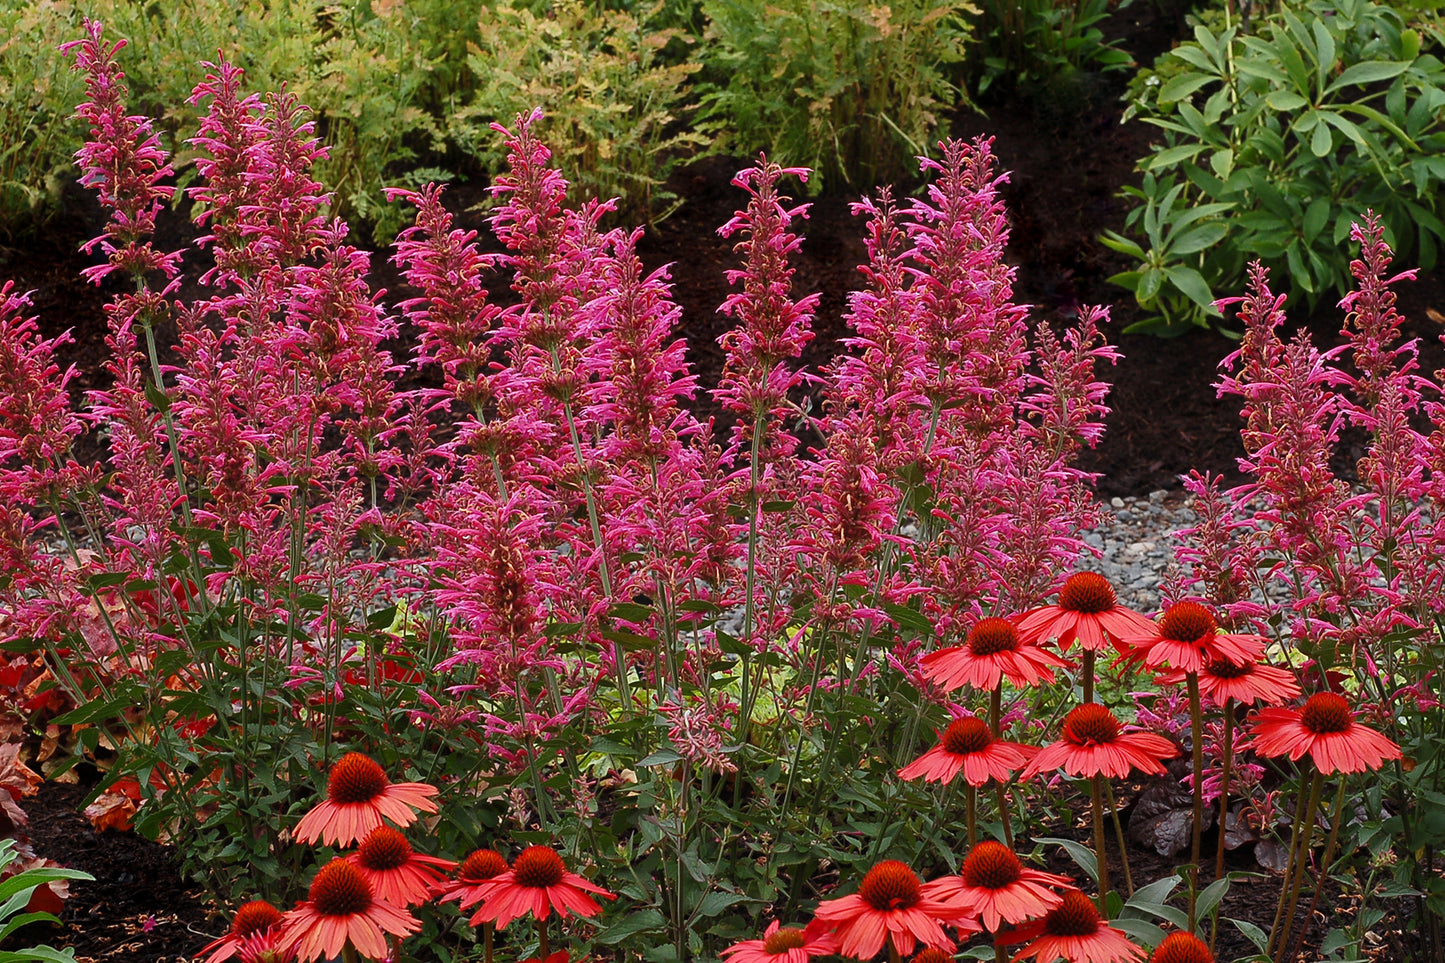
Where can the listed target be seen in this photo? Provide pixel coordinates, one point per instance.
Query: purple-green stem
(487, 941)
(970, 808)
(1329, 857)
(995, 716)
(1196, 732)
(542, 949)
(1087, 671)
(1119, 834)
(1223, 807)
(1295, 870)
(1096, 799)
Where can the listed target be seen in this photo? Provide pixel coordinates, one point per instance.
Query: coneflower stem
(1119, 834)
(542, 949)
(1087, 670)
(1223, 807)
(1336, 817)
(348, 953)
(487, 942)
(1003, 807)
(970, 808)
(1196, 733)
(893, 955)
(1298, 859)
(1299, 809)
(1096, 799)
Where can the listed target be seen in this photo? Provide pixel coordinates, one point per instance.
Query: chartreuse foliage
(853, 90)
(1274, 144)
(613, 86)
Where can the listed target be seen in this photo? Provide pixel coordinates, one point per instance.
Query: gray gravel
(1136, 545)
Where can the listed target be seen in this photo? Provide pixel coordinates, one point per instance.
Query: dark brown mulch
(138, 908)
(1068, 156)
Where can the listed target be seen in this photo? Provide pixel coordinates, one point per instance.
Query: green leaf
(1182, 86)
(1123, 245)
(909, 619)
(1171, 156)
(714, 903)
(1324, 52)
(38, 954)
(1370, 72)
(662, 757)
(1251, 932)
(642, 921)
(1285, 100)
(1199, 238)
(1193, 285)
(1149, 284)
(1321, 141)
(1081, 854)
(1210, 896)
(1316, 216)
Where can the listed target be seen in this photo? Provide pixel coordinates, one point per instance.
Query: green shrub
(614, 101)
(1039, 40)
(853, 90)
(1273, 145)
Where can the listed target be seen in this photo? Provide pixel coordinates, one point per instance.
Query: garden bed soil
(1068, 156)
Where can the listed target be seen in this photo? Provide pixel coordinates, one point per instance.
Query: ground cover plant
(564, 617)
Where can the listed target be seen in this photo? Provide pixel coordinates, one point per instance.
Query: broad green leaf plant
(1274, 143)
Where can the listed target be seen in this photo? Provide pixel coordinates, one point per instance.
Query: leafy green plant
(15, 893)
(853, 90)
(1038, 40)
(614, 96)
(1274, 144)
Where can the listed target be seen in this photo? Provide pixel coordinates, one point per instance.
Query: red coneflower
(891, 905)
(996, 888)
(969, 746)
(1093, 743)
(396, 872)
(1181, 947)
(1075, 932)
(257, 918)
(1187, 639)
(932, 954)
(993, 652)
(783, 945)
(537, 883)
(1248, 682)
(358, 798)
(1088, 612)
(1326, 729)
(341, 909)
(482, 866)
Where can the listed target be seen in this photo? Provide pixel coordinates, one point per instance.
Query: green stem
(1299, 809)
(1196, 732)
(1223, 808)
(1336, 817)
(1119, 834)
(1299, 857)
(1096, 801)
(1003, 807)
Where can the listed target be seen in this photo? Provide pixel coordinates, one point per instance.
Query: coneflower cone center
(1187, 622)
(967, 735)
(538, 867)
(1087, 592)
(784, 940)
(1181, 947)
(1225, 669)
(339, 889)
(992, 636)
(991, 865)
(1075, 916)
(254, 917)
(890, 885)
(1326, 712)
(483, 864)
(932, 954)
(384, 848)
(355, 779)
(1090, 724)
